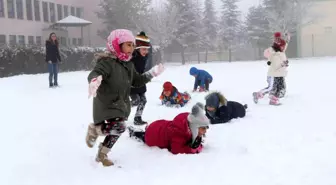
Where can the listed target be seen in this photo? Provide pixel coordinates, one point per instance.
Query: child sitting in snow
(219, 110)
(182, 135)
(171, 97)
(202, 79)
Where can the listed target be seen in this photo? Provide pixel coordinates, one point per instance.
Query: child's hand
(156, 70)
(93, 86)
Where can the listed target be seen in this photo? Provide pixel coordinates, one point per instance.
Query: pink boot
(257, 96)
(274, 100)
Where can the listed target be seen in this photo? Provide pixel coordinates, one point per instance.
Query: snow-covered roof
(72, 21)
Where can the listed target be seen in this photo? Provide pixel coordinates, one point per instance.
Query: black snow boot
(138, 121)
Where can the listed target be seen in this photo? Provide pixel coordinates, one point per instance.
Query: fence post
(313, 46)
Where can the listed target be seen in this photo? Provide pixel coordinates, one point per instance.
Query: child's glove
(156, 70)
(93, 86)
(177, 106)
(168, 104)
(198, 149)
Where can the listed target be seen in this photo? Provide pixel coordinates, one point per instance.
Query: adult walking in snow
(140, 59)
(52, 58)
(182, 135)
(110, 84)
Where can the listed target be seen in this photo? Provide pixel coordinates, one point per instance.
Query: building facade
(318, 38)
(28, 21)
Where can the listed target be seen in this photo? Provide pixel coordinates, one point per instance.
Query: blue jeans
(53, 72)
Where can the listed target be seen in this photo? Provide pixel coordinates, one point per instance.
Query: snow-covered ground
(43, 132)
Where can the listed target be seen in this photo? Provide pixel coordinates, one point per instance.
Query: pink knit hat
(116, 38)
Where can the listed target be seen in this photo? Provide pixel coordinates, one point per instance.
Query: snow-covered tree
(257, 28)
(230, 25)
(128, 14)
(210, 26)
(186, 33)
(288, 15)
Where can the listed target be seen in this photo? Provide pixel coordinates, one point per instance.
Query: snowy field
(43, 132)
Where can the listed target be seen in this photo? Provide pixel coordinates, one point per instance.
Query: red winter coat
(173, 135)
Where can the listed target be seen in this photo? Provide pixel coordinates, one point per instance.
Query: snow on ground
(43, 132)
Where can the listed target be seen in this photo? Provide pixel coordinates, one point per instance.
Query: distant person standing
(52, 58)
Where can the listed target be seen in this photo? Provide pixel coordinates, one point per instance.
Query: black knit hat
(142, 41)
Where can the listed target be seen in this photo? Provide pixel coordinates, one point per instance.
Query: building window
(73, 11)
(63, 41)
(52, 12)
(79, 12)
(31, 40)
(22, 40)
(328, 29)
(19, 9)
(59, 12)
(2, 39)
(29, 9)
(74, 41)
(80, 42)
(12, 39)
(39, 40)
(37, 10)
(10, 9)
(45, 11)
(2, 8)
(66, 11)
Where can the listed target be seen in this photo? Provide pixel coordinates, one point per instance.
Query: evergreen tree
(186, 33)
(210, 26)
(230, 25)
(257, 27)
(127, 14)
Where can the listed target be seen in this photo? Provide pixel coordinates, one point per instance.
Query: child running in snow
(182, 135)
(171, 97)
(219, 110)
(202, 79)
(139, 59)
(270, 80)
(110, 84)
(276, 72)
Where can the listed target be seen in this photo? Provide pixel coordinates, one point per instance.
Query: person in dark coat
(219, 110)
(52, 58)
(182, 135)
(139, 59)
(110, 84)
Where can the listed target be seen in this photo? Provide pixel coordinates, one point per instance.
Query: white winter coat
(277, 67)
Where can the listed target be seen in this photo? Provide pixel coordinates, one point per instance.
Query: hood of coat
(98, 56)
(215, 99)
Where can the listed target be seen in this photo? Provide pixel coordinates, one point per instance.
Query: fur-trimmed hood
(98, 56)
(218, 97)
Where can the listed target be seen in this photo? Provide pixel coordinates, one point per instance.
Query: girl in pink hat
(110, 85)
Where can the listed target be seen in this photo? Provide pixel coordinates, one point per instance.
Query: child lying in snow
(171, 97)
(182, 135)
(219, 110)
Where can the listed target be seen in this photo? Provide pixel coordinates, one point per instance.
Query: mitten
(156, 70)
(93, 86)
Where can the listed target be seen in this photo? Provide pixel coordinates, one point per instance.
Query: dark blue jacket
(225, 113)
(201, 77)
